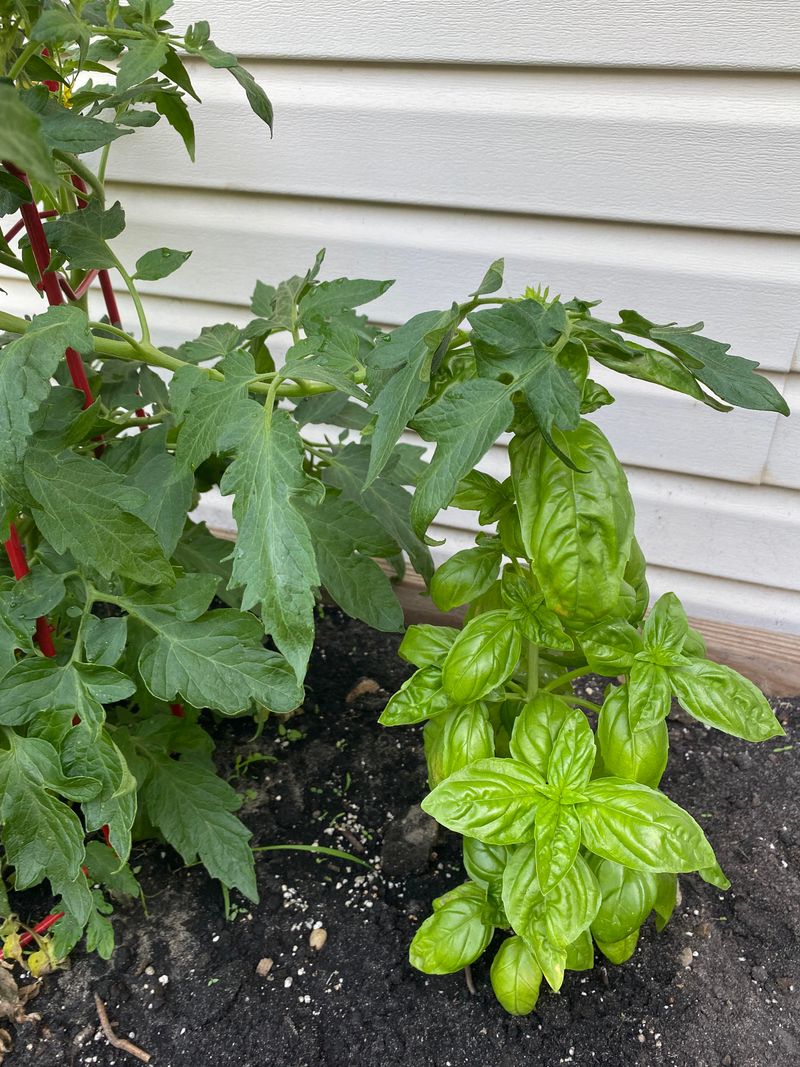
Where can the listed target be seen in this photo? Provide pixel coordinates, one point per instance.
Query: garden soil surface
(718, 987)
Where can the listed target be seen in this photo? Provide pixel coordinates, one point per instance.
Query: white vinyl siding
(644, 154)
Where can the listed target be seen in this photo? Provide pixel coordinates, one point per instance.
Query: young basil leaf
(420, 697)
(638, 755)
(536, 729)
(666, 898)
(666, 627)
(628, 897)
(482, 657)
(493, 800)
(465, 575)
(611, 646)
(456, 739)
(572, 755)
(649, 694)
(580, 954)
(426, 645)
(455, 935)
(641, 828)
(528, 610)
(516, 976)
(719, 697)
(557, 835)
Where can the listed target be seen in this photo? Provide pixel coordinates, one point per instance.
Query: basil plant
(568, 841)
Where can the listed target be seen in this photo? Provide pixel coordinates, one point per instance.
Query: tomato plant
(120, 617)
(568, 842)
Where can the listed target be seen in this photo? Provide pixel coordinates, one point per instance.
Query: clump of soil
(718, 988)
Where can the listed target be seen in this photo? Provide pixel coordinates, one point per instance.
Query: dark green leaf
(81, 236)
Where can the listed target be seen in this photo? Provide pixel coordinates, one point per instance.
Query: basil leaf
(456, 739)
(418, 698)
(425, 645)
(536, 729)
(557, 834)
(485, 865)
(516, 977)
(619, 951)
(572, 755)
(611, 646)
(721, 698)
(641, 828)
(482, 656)
(493, 800)
(580, 954)
(628, 897)
(455, 935)
(649, 694)
(638, 755)
(465, 576)
(666, 627)
(581, 535)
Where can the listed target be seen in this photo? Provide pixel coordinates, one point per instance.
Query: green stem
(30, 49)
(79, 168)
(583, 703)
(321, 849)
(10, 260)
(579, 672)
(137, 300)
(533, 670)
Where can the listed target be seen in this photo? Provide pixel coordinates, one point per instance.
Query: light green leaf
(557, 835)
(638, 755)
(572, 755)
(536, 730)
(465, 576)
(455, 935)
(619, 951)
(493, 800)
(666, 627)
(426, 645)
(418, 698)
(516, 977)
(273, 558)
(610, 646)
(485, 865)
(628, 897)
(581, 536)
(719, 697)
(456, 739)
(481, 658)
(641, 828)
(649, 694)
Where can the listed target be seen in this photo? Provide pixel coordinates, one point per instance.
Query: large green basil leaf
(641, 828)
(535, 731)
(426, 645)
(649, 694)
(419, 697)
(465, 575)
(483, 655)
(581, 536)
(572, 757)
(638, 755)
(494, 800)
(516, 977)
(610, 646)
(628, 898)
(455, 935)
(570, 908)
(557, 835)
(721, 698)
(456, 739)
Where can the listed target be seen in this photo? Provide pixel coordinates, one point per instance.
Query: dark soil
(718, 987)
